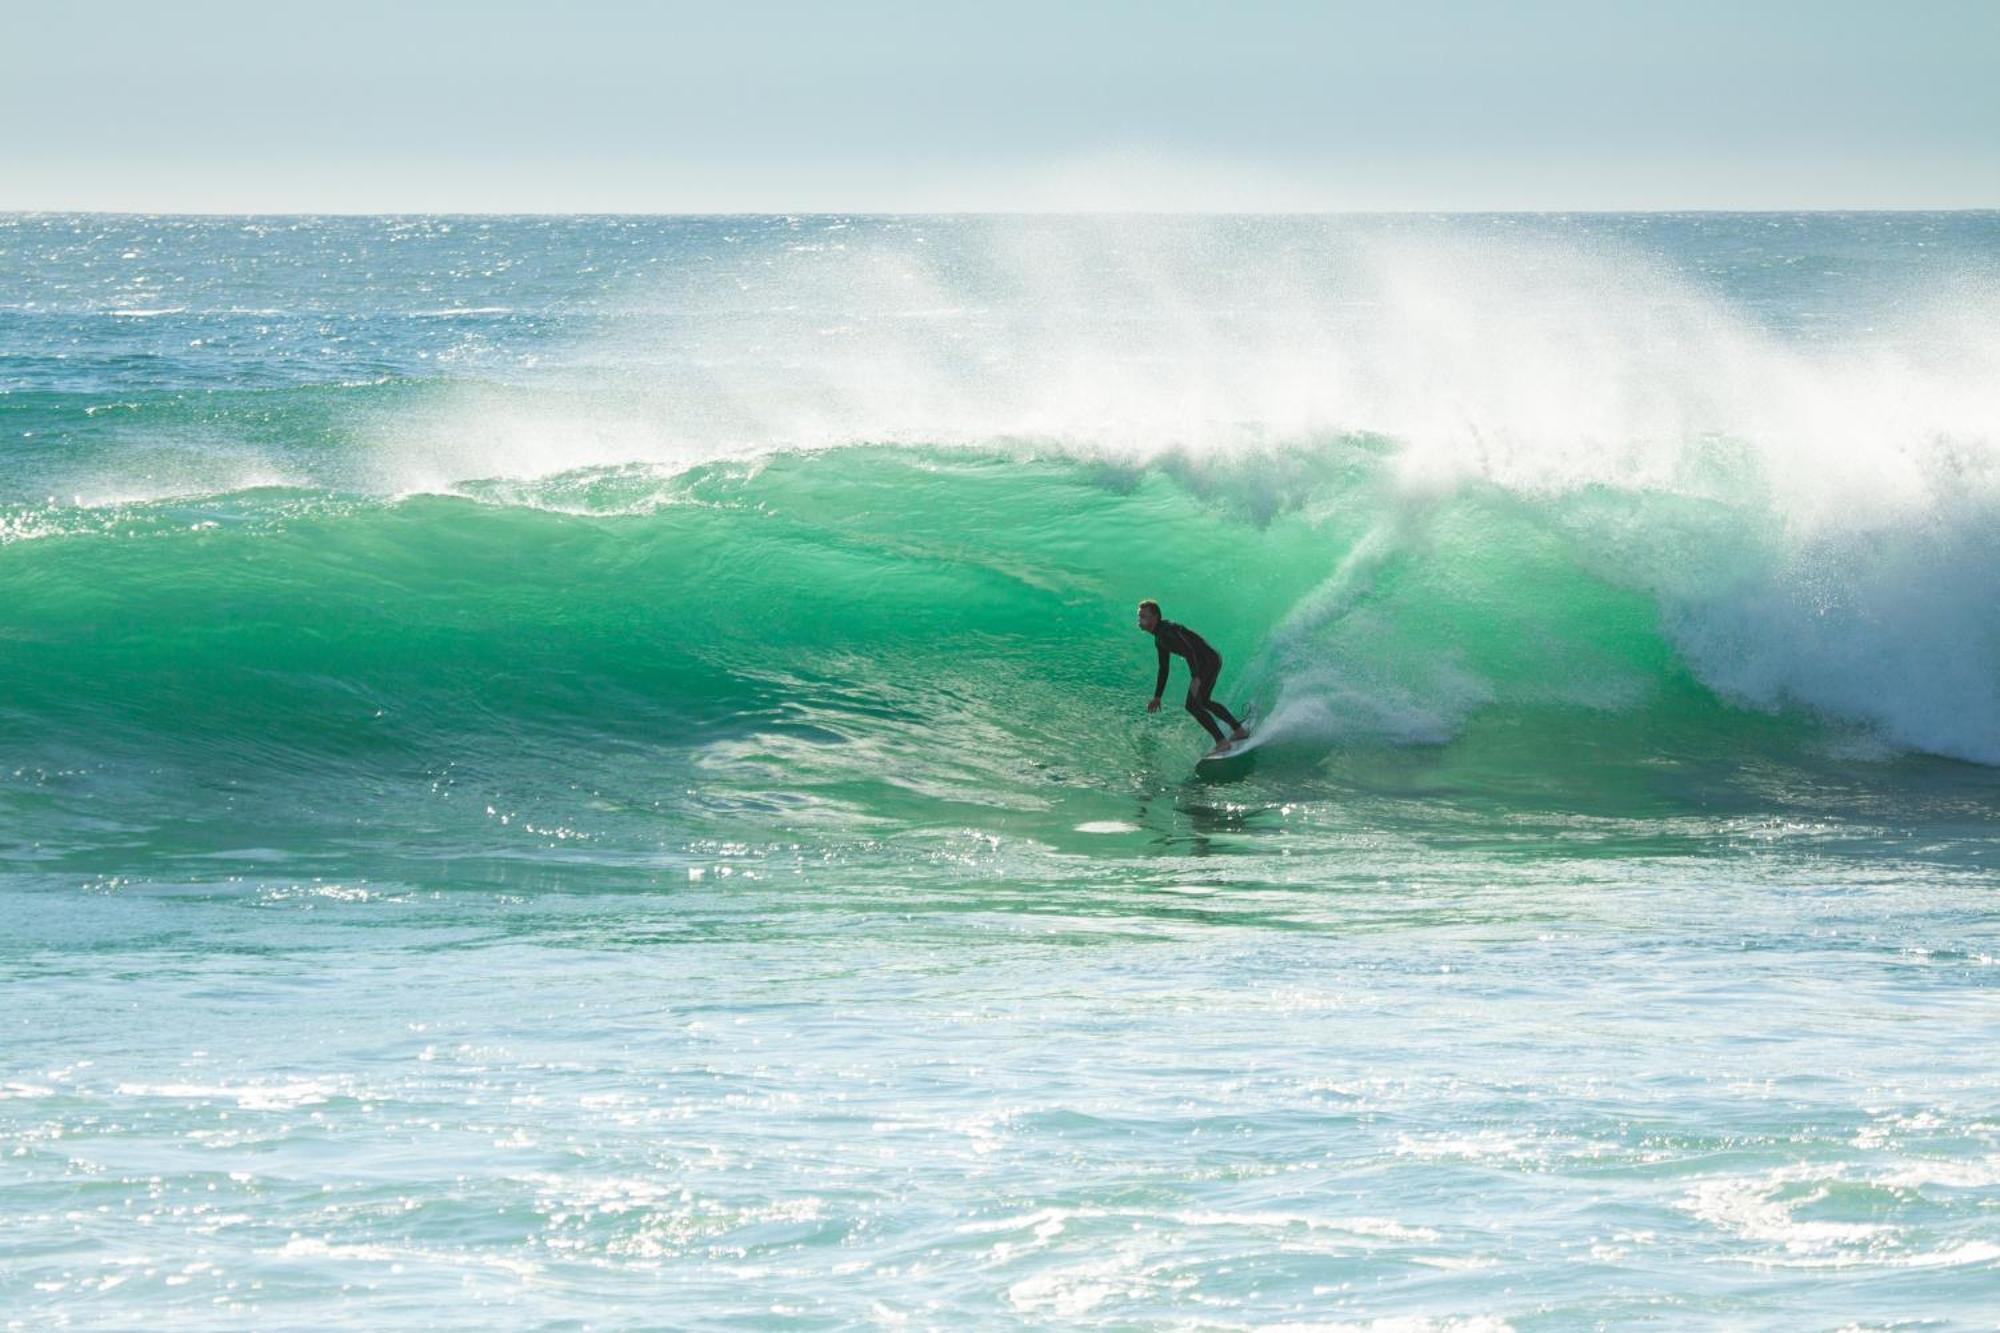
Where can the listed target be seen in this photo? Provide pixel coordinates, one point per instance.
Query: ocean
(593, 772)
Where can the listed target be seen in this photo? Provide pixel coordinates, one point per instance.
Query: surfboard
(1229, 759)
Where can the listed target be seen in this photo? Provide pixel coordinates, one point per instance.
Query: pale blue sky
(365, 105)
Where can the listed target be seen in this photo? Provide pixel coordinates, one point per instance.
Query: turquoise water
(594, 773)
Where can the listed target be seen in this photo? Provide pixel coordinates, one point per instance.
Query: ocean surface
(593, 773)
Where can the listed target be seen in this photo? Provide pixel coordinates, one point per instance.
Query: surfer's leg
(1197, 705)
(1206, 684)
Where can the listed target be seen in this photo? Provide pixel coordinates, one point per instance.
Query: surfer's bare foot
(1239, 735)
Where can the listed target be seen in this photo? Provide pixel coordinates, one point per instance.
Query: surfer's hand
(1153, 707)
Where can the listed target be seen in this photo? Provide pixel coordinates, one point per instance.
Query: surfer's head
(1149, 615)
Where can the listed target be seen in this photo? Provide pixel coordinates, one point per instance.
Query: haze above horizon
(228, 106)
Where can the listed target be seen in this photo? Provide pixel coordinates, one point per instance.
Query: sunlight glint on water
(596, 770)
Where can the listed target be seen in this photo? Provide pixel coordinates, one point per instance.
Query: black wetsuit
(1204, 665)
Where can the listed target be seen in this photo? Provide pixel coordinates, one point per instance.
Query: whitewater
(593, 772)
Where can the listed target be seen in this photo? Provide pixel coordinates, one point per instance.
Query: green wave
(593, 601)
(892, 632)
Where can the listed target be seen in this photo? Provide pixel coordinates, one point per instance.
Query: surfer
(1204, 665)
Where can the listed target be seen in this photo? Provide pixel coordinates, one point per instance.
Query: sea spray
(1510, 414)
(566, 770)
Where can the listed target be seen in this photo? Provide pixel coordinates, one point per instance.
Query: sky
(622, 106)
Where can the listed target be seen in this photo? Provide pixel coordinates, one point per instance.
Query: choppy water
(593, 772)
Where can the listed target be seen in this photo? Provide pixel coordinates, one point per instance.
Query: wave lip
(854, 595)
(1472, 468)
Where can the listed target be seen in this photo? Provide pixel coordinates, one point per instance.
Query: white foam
(1839, 545)
(307, 1247)
(250, 1097)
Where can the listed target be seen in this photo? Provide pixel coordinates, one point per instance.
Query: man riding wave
(1204, 665)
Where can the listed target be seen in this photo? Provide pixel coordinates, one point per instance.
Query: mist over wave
(1528, 453)
(548, 759)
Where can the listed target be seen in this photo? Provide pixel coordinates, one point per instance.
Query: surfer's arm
(1160, 685)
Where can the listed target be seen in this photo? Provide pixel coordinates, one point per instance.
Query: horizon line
(897, 213)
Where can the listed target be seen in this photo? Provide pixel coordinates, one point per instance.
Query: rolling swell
(890, 621)
(568, 817)
(1469, 506)
(593, 605)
